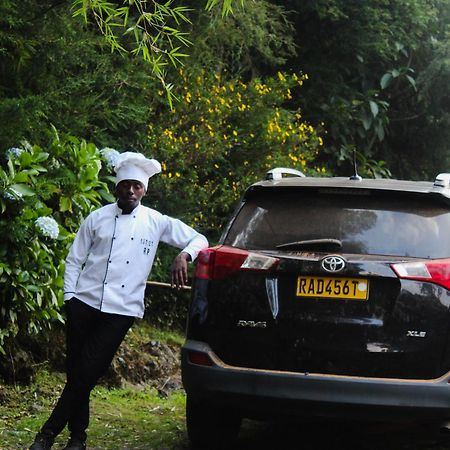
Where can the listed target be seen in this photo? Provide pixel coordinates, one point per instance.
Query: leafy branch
(145, 28)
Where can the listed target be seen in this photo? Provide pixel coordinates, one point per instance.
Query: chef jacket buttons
(123, 285)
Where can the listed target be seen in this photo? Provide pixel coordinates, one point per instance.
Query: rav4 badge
(251, 324)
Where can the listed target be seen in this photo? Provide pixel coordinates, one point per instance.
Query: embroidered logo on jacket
(147, 245)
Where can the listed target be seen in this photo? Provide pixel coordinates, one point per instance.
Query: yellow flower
(281, 77)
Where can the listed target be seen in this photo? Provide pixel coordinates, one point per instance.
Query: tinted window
(383, 225)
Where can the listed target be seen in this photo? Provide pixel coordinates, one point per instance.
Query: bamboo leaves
(147, 29)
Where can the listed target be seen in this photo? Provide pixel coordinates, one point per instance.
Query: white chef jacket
(112, 255)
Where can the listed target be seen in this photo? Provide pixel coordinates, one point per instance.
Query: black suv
(325, 297)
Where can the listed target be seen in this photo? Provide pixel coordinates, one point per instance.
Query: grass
(128, 418)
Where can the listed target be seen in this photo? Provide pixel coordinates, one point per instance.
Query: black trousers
(93, 338)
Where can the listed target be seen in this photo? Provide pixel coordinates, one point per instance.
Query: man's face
(129, 194)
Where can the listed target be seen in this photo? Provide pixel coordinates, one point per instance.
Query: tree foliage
(147, 28)
(371, 73)
(258, 36)
(55, 71)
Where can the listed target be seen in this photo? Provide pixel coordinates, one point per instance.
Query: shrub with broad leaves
(44, 195)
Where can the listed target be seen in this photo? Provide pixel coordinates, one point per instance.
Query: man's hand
(179, 270)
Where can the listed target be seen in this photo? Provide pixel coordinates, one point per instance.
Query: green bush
(44, 194)
(222, 136)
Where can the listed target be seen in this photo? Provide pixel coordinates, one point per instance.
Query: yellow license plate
(330, 287)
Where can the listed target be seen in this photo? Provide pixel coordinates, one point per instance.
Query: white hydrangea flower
(47, 226)
(14, 152)
(110, 155)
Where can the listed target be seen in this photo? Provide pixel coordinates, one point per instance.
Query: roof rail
(278, 172)
(442, 180)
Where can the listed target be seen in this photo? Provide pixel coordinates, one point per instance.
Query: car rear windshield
(392, 224)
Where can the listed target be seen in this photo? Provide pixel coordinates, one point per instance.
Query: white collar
(118, 210)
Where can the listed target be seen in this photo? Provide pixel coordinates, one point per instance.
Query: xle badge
(419, 334)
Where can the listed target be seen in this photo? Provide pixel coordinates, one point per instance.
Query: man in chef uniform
(104, 283)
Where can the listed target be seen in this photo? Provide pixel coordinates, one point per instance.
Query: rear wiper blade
(313, 244)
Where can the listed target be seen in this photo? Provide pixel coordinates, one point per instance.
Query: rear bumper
(262, 393)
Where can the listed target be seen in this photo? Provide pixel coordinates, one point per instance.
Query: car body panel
(262, 394)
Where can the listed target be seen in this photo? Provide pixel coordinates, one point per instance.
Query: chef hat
(135, 166)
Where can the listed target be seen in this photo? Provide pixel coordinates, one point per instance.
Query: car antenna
(355, 175)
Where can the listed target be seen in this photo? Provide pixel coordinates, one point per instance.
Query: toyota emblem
(333, 263)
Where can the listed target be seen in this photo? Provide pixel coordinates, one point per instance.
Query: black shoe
(43, 442)
(75, 444)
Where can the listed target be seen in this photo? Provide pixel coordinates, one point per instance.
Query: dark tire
(210, 426)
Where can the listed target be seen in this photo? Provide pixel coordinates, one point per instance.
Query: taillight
(219, 262)
(434, 271)
(204, 263)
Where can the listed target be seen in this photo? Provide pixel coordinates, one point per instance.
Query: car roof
(379, 184)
